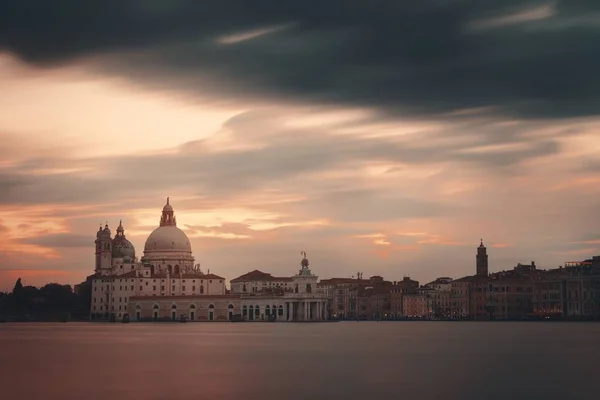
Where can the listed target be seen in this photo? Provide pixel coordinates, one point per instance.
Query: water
(347, 360)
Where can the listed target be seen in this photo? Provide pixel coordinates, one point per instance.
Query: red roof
(337, 281)
(257, 275)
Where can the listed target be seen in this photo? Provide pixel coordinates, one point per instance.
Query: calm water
(347, 360)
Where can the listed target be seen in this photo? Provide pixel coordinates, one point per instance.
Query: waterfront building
(167, 269)
(343, 294)
(440, 295)
(397, 292)
(419, 304)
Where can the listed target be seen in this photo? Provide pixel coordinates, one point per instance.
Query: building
(166, 270)
(440, 295)
(398, 291)
(343, 295)
(571, 292)
(418, 305)
(481, 260)
(257, 281)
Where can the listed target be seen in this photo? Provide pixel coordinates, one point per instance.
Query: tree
(18, 289)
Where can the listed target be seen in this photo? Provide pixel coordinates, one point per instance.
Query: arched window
(174, 307)
(192, 306)
(268, 309)
(138, 307)
(211, 306)
(170, 269)
(244, 311)
(201, 289)
(155, 307)
(231, 306)
(176, 269)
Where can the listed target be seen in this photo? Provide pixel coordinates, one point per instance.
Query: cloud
(59, 240)
(269, 154)
(404, 57)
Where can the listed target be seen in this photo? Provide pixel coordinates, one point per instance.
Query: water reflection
(300, 361)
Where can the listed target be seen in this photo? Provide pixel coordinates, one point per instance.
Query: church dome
(121, 247)
(167, 238)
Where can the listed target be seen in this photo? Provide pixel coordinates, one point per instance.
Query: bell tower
(103, 251)
(482, 260)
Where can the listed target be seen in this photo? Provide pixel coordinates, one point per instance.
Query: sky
(382, 137)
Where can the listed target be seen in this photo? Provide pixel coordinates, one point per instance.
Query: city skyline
(301, 128)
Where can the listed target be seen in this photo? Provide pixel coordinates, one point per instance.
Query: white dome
(168, 239)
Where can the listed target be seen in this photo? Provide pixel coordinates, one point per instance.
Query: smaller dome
(122, 248)
(106, 231)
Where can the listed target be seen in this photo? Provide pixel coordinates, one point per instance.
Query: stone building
(397, 292)
(166, 269)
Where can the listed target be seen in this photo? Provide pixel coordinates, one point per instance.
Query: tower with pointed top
(103, 250)
(482, 260)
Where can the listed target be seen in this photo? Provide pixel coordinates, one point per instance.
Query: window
(183, 288)
(131, 287)
(153, 287)
(141, 288)
(146, 283)
(193, 288)
(201, 289)
(173, 288)
(162, 288)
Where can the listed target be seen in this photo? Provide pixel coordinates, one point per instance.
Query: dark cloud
(405, 57)
(59, 240)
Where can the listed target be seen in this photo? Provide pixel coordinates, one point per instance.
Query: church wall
(252, 303)
(198, 307)
(121, 289)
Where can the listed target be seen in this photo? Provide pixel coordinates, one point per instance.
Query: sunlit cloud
(245, 36)
(520, 17)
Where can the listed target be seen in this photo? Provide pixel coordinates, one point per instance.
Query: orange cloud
(499, 245)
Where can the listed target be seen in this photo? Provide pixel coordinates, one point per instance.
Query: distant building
(399, 290)
(482, 260)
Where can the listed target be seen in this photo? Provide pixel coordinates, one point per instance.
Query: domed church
(166, 284)
(166, 269)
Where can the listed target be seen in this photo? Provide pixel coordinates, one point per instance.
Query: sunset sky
(385, 137)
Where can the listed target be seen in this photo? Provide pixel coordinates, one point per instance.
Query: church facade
(166, 284)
